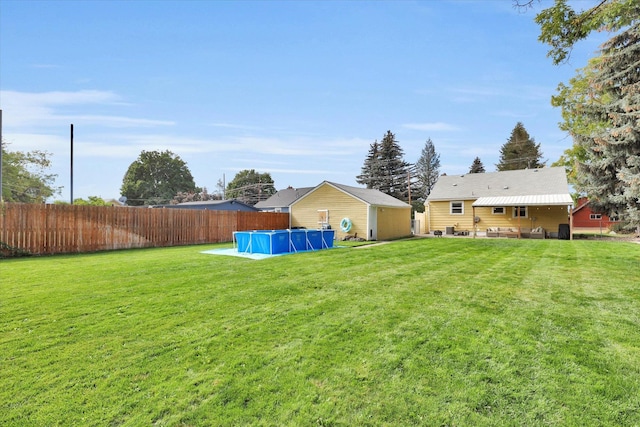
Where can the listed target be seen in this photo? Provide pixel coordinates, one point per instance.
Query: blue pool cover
(282, 241)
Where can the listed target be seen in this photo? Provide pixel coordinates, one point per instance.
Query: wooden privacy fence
(53, 229)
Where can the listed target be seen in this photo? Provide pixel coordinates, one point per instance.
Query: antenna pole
(72, 163)
(1, 199)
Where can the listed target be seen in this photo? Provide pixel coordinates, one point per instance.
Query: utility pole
(409, 184)
(72, 163)
(1, 199)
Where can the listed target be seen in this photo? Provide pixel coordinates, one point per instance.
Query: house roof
(283, 198)
(544, 186)
(369, 196)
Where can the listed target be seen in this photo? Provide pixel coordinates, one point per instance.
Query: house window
(519, 211)
(498, 210)
(595, 217)
(457, 208)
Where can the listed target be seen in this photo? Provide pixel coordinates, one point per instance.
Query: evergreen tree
(477, 166)
(520, 151)
(610, 174)
(427, 170)
(577, 101)
(371, 170)
(384, 168)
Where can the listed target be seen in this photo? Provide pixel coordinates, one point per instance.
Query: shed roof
(527, 183)
(366, 195)
(370, 196)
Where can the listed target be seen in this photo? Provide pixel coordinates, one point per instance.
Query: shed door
(323, 219)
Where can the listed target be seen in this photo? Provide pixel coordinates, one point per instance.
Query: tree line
(157, 178)
(154, 178)
(385, 169)
(600, 109)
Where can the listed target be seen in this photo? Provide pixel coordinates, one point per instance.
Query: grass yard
(425, 332)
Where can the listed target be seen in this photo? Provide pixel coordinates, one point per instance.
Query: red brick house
(584, 217)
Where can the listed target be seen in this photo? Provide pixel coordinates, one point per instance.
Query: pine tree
(477, 166)
(610, 175)
(427, 169)
(371, 172)
(520, 151)
(384, 168)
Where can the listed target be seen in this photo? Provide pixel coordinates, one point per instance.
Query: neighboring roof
(532, 183)
(231, 204)
(366, 195)
(213, 203)
(283, 198)
(582, 202)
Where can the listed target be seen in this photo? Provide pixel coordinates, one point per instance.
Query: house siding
(393, 223)
(304, 212)
(548, 217)
(439, 216)
(582, 218)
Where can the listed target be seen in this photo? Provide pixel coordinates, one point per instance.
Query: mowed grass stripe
(418, 332)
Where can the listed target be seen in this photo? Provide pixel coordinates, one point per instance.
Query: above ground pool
(282, 241)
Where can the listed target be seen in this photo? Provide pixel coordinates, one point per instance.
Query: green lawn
(426, 332)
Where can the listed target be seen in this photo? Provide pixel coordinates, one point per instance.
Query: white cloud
(115, 121)
(435, 126)
(43, 109)
(284, 170)
(232, 126)
(129, 146)
(33, 141)
(12, 98)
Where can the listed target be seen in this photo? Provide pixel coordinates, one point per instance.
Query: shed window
(498, 210)
(323, 218)
(457, 208)
(595, 216)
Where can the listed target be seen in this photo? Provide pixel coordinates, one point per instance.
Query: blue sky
(299, 89)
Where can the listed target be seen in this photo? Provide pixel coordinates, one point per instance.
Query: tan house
(353, 211)
(522, 203)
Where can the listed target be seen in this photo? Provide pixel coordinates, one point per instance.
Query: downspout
(570, 222)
